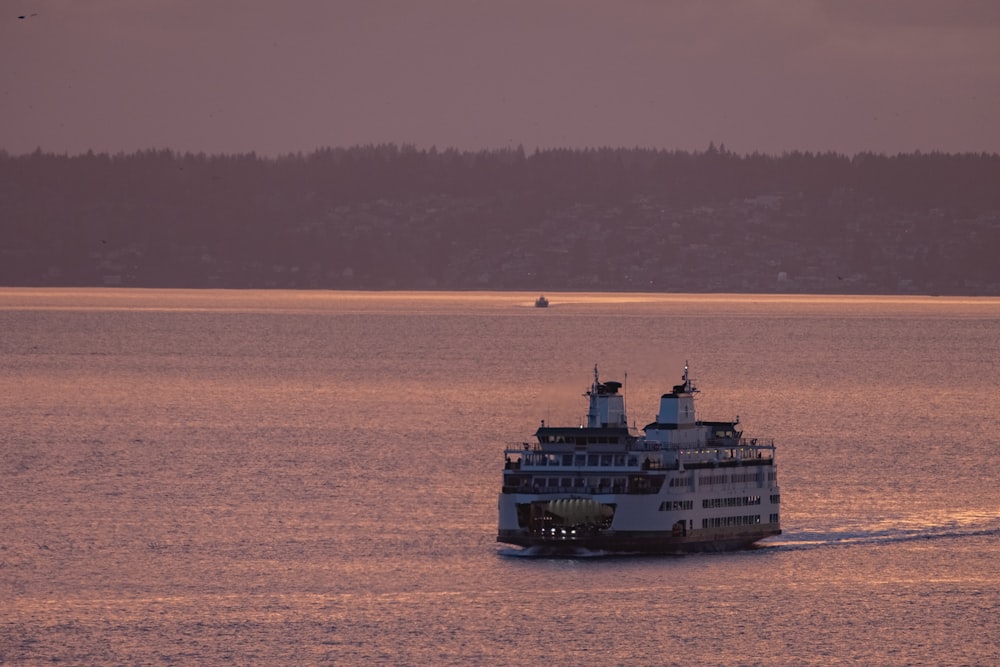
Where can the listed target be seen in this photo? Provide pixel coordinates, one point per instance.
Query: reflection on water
(310, 477)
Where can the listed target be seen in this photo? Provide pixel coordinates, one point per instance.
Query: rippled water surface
(311, 477)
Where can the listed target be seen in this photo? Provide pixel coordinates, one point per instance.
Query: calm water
(311, 477)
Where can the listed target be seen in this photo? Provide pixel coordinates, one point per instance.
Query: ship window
(578, 482)
(633, 461)
(592, 460)
(620, 460)
(673, 505)
(605, 459)
(566, 482)
(723, 521)
(581, 459)
(567, 459)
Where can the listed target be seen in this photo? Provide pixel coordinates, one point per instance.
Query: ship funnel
(677, 407)
(607, 406)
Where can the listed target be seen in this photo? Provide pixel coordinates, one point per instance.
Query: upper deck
(675, 441)
(638, 454)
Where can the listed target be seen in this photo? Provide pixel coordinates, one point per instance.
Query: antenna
(625, 399)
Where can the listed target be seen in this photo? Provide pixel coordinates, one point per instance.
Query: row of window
(617, 484)
(713, 503)
(726, 521)
(739, 501)
(591, 484)
(581, 440)
(580, 460)
(735, 478)
(670, 505)
(712, 479)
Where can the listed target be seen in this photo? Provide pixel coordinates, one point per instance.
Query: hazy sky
(277, 77)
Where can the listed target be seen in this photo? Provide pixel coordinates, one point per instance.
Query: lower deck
(668, 522)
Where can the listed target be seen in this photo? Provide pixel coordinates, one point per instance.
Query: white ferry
(685, 485)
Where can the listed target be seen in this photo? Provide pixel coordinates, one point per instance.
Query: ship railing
(569, 491)
(723, 452)
(747, 450)
(523, 447)
(763, 443)
(643, 447)
(534, 459)
(757, 448)
(559, 469)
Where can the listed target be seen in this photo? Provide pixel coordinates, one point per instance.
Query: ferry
(682, 485)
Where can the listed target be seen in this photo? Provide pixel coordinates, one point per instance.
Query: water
(311, 477)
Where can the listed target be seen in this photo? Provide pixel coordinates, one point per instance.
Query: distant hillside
(394, 217)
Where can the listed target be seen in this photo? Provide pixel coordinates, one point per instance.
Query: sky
(235, 76)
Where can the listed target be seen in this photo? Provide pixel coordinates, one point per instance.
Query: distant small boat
(541, 302)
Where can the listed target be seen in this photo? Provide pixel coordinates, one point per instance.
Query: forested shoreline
(399, 217)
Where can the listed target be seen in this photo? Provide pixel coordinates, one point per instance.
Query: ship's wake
(968, 525)
(889, 531)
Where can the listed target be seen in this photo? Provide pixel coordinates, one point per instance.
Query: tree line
(62, 215)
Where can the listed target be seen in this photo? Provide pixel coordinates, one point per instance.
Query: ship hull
(641, 542)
